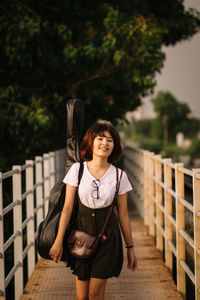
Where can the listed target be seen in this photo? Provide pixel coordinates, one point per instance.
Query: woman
(99, 149)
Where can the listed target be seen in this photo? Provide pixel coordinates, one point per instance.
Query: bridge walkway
(152, 280)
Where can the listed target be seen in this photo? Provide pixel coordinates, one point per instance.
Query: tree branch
(5, 117)
(27, 150)
(27, 8)
(35, 137)
(10, 15)
(17, 104)
(92, 77)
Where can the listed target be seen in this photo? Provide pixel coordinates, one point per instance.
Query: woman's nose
(104, 141)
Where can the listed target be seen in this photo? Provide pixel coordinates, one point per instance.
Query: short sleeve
(72, 175)
(125, 185)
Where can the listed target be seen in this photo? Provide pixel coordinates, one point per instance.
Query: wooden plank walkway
(152, 280)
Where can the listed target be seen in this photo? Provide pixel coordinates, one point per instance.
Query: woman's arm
(126, 229)
(57, 249)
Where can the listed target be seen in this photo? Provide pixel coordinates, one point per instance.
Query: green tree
(172, 117)
(144, 127)
(106, 53)
(190, 127)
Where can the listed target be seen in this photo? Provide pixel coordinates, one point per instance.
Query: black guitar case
(48, 228)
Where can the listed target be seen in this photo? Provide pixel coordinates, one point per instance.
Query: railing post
(17, 219)
(39, 189)
(30, 216)
(141, 181)
(146, 197)
(159, 215)
(52, 169)
(180, 224)
(168, 210)
(46, 165)
(151, 171)
(2, 265)
(196, 201)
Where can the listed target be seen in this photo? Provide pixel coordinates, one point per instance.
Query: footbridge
(164, 209)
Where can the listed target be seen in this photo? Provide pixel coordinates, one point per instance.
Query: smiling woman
(97, 189)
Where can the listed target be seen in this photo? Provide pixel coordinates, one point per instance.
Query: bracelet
(128, 247)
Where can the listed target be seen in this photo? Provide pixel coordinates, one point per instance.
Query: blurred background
(181, 72)
(180, 76)
(134, 63)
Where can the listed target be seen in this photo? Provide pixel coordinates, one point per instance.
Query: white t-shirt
(106, 185)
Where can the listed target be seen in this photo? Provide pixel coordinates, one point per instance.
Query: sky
(181, 72)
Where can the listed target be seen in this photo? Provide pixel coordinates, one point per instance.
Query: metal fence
(27, 202)
(160, 194)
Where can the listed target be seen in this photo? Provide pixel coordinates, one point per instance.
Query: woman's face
(103, 145)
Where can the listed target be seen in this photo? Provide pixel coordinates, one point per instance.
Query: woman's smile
(104, 149)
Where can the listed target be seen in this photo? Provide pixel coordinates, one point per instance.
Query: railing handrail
(154, 194)
(39, 177)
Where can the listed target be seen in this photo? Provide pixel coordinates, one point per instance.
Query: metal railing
(29, 193)
(159, 195)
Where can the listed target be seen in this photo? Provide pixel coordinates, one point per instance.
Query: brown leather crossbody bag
(81, 244)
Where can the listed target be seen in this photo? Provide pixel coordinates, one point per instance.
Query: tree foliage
(104, 52)
(144, 127)
(174, 116)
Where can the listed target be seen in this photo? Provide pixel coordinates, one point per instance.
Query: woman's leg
(82, 289)
(97, 288)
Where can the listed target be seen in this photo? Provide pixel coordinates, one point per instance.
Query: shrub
(195, 148)
(151, 145)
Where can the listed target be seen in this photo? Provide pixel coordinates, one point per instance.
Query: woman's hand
(56, 251)
(132, 260)
(126, 230)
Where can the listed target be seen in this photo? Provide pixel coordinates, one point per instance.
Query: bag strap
(113, 203)
(80, 173)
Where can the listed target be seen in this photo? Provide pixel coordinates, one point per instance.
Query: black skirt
(107, 260)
